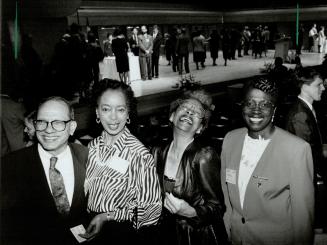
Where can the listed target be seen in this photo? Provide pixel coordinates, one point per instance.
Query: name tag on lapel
(231, 176)
(118, 164)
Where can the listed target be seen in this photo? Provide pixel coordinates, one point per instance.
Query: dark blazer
(278, 205)
(182, 44)
(156, 44)
(28, 211)
(134, 45)
(301, 122)
(198, 183)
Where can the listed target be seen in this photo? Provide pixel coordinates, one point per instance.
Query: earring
(128, 121)
(97, 120)
(272, 118)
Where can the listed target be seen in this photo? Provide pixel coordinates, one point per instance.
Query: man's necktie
(58, 188)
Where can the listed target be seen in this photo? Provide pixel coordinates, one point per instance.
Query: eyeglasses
(41, 125)
(197, 112)
(263, 105)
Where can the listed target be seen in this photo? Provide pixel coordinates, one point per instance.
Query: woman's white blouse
(251, 154)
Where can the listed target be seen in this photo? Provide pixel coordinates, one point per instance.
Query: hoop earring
(97, 120)
(128, 121)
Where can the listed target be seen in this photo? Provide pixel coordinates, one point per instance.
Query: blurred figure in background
(214, 46)
(120, 48)
(157, 39)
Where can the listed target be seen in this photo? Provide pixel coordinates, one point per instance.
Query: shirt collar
(47, 155)
(305, 101)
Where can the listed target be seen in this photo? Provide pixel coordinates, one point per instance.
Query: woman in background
(120, 48)
(188, 172)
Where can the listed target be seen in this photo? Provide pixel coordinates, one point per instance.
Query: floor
(245, 66)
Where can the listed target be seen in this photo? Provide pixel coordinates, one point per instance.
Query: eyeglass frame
(180, 105)
(47, 124)
(258, 105)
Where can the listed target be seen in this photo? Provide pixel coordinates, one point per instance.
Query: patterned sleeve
(148, 200)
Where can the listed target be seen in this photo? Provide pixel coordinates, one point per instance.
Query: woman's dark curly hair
(200, 95)
(264, 83)
(109, 84)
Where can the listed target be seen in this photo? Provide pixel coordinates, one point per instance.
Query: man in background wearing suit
(182, 51)
(302, 121)
(145, 53)
(157, 38)
(42, 193)
(134, 42)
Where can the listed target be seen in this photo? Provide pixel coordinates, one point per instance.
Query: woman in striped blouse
(121, 182)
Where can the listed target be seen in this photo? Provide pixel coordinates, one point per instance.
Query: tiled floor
(245, 66)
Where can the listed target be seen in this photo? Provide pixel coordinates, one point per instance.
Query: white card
(118, 164)
(231, 176)
(78, 230)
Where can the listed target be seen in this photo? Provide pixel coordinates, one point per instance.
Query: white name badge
(231, 176)
(118, 164)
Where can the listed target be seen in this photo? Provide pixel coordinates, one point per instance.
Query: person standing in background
(313, 33)
(321, 40)
(134, 42)
(199, 50)
(120, 48)
(214, 46)
(182, 51)
(145, 53)
(168, 48)
(107, 45)
(157, 39)
(247, 40)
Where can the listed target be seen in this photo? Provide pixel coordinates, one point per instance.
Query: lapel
(39, 182)
(79, 173)
(161, 164)
(235, 161)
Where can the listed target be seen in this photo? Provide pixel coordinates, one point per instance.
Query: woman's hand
(95, 226)
(179, 206)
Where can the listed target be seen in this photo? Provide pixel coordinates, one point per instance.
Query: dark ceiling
(229, 5)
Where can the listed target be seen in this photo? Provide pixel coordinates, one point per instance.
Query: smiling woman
(121, 182)
(188, 174)
(266, 176)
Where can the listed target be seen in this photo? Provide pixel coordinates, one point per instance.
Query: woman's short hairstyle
(264, 83)
(109, 84)
(200, 95)
(306, 76)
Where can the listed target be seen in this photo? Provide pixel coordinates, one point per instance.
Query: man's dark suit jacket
(156, 44)
(182, 44)
(28, 211)
(301, 122)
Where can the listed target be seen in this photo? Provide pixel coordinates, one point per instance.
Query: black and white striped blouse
(122, 178)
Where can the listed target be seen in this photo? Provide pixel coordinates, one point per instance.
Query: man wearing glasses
(42, 185)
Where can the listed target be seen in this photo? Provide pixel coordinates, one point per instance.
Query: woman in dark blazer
(189, 177)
